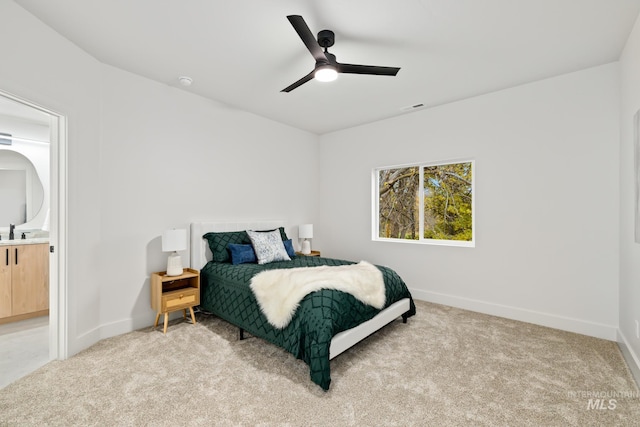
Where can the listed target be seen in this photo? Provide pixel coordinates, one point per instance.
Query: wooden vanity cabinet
(5, 281)
(24, 281)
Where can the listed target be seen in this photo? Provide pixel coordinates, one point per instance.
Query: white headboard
(200, 252)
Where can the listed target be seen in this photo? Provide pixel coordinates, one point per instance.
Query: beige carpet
(446, 367)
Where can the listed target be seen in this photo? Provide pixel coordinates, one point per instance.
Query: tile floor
(24, 347)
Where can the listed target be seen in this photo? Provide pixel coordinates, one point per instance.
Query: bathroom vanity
(24, 279)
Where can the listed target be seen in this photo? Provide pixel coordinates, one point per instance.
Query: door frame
(58, 186)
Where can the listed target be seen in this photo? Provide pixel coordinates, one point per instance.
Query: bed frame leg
(404, 318)
(241, 333)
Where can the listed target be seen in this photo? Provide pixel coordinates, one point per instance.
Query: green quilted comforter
(225, 292)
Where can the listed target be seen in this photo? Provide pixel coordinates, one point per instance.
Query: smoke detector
(185, 81)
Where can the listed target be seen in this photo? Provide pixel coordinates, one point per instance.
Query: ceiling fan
(327, 68)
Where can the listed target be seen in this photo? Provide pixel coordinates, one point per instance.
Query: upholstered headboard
(200, 252)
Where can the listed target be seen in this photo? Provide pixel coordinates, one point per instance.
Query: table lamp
(305, 231)
(173, 241)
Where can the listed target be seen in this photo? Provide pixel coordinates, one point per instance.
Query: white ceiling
(243, 52)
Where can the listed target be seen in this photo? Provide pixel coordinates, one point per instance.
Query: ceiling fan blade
(367, 69)
(307, 37)
(299, 82)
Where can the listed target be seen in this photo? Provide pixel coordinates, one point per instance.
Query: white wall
(41, 66)
(143, 157)
(629, 250)
(546, 200)
(168, 158)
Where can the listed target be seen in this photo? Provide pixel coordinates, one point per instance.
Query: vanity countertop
(34, 241)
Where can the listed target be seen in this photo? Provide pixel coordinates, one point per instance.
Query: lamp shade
(174, 240)
(305, 231)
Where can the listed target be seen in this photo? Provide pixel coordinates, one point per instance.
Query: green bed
(320, 316)
(325, 323)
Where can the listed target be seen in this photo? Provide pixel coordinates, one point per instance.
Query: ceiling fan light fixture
(326, 73)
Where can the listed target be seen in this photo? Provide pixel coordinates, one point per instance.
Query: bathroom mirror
(21, 190)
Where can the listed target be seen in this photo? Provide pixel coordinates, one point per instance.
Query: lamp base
(306, 247)
(174, 265)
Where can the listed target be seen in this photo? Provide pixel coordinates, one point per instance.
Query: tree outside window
(427, 203)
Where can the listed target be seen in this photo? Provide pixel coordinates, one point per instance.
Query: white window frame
(375, 217)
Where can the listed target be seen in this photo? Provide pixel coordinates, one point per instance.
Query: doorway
(35, 132)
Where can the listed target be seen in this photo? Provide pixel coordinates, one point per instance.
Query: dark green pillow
(218, 243)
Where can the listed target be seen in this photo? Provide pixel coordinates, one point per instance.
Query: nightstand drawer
(181, 297)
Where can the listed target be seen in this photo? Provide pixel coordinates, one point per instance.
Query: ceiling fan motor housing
(326, 38)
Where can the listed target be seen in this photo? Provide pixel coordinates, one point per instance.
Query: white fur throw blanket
(280, 291)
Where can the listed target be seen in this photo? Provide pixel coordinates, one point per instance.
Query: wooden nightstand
(313, 253)
(173, 293)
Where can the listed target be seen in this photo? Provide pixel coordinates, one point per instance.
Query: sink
(33, 237)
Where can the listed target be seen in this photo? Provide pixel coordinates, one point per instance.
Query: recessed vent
(412, 107)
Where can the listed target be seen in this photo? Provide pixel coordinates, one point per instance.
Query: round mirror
(21, 190)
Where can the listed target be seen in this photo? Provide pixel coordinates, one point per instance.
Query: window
(425, 203)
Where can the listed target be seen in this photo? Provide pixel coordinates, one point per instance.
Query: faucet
(11, 228)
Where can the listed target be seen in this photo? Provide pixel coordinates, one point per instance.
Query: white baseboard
(124, 326)
(109, 330)
(83, 341)
(584, 327)
(632, 359)
(598, 330)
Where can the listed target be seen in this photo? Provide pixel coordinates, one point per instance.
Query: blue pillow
(288, 245)
(241, 254)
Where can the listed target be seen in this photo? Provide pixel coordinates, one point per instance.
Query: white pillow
(268, 246)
